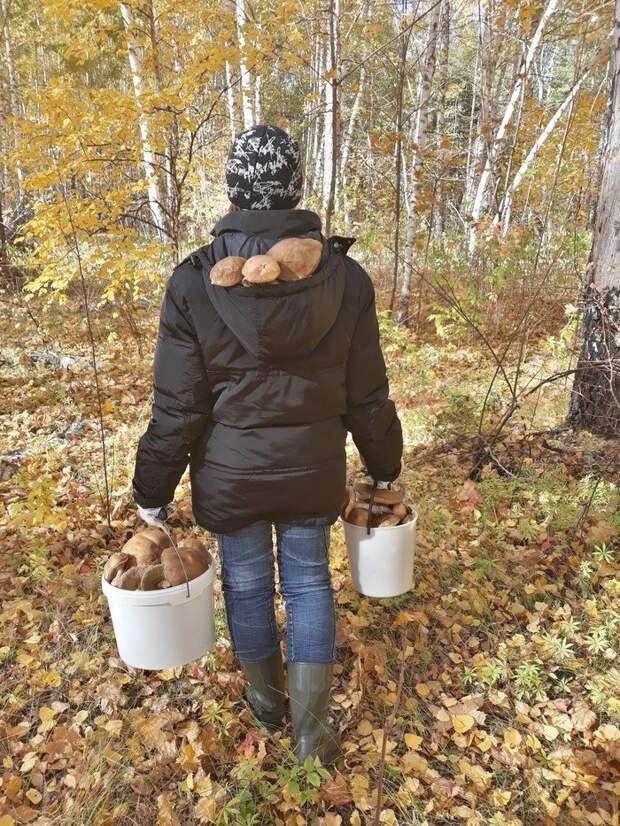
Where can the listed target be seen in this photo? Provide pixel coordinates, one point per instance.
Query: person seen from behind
(256, 387)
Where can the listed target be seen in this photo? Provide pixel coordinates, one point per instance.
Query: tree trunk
(330, 135)
(504, 212)
(149, 161)
(13, 103)
(495, 147)
(439, 213)
(595, 400)
(230, 98)
(420, 140)
(246, 85)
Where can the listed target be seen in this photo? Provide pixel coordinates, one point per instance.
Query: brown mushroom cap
(297, 257)
(260, 269)
(152, 576)
(383, 496)
(116, 562)
(400, 510)
(131, 578)
(143, 549)
(196, 560)
(387, 520)
(227, 271)
(157, 536)
(348, 503)
(358, 516)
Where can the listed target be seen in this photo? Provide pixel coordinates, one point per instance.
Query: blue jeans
(248, 585)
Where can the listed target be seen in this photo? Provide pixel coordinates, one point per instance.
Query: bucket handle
(176, 550)
(371, 502)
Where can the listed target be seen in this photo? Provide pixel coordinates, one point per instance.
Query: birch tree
(497, 143)
(331, 129)
(504, 212)
(595, 400)
(419, 146)
(13, 103)
(245, 80)
(149, 160)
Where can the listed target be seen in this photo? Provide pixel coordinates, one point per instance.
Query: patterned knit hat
(263, 170)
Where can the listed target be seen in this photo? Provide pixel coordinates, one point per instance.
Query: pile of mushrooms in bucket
(148, 562)
(385, 508)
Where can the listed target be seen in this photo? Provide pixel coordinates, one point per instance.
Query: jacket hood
(277, 321)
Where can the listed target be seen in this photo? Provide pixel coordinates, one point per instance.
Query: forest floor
(506, 651)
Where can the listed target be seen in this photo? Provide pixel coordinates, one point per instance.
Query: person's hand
(155, 516)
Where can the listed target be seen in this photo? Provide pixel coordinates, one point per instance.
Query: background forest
(466, 146)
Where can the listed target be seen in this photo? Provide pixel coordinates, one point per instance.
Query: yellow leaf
(512, 738)
(413, 741)
(608, 732)
(388, 816)
(364, 728)
(34, 796)
(422, 690)
(6, 820)
(501, 798)
(550, 732)
(463, 722)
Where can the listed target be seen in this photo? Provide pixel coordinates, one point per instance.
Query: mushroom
(260, 269)
(358, 516)
(400, 510)
(386, 520)
(131, 578)
(383, 496)
(152, 576)
(143, 549)
(157, 536)
(227, 271)
(196, 559)
(115, 563)
(348, 504)
(297, 257)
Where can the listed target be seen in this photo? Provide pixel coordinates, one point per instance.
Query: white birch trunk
(149, 161)
(13, 96)
(504, 212)
(595, 400)
(230, 99)
(495, 146)
(420, 141)
(257, 104)
(246, 85)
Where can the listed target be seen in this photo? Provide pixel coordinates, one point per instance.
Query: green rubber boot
(309, 687)
(265, 690)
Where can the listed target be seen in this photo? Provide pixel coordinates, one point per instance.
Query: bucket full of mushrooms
(160, 597)
(380, 533)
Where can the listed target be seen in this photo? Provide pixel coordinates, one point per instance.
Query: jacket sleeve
(180, 406)
(371, 415)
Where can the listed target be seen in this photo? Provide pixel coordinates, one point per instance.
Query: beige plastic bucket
(381, 561)
(164, 628)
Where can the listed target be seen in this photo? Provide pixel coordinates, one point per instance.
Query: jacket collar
(273, 222)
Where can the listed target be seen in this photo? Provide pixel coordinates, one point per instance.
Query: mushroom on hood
(297, 257)
(260, 269)
(227, 271)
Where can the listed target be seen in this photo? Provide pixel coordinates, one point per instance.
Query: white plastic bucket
(381, 562)
(164, 628)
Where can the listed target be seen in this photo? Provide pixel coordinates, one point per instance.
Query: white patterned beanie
(263, 170)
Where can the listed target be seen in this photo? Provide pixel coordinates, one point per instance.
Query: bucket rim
(409, 525)
(138, 597)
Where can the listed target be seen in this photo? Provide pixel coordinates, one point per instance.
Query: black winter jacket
(257, 386)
